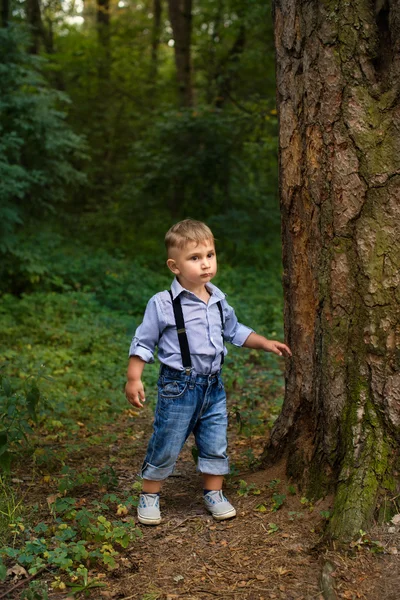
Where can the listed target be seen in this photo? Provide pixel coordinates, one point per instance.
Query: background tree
(338, 82)
(180, 16)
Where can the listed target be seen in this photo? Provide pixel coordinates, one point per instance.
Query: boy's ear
(172, 266)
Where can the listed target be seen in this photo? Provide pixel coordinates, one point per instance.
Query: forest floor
(273, 549)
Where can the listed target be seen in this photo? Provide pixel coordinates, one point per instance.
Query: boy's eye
(194, 258)
(210, 254)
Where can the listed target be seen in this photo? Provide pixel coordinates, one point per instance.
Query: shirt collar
(177, 289)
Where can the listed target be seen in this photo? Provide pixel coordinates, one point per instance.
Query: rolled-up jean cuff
(153, 473)
(213, 466)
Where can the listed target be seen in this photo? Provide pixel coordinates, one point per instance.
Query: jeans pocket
(172, 389)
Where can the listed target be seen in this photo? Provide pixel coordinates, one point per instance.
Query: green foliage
(277, 501)
(37, 590)
(246, 489)
(76, 536)
(18, 411)
(38, 151)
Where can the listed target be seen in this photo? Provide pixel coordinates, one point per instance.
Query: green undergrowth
(63, 355)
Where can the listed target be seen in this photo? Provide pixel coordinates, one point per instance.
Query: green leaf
(3, 442)
(3, 571)
(7, 387)
(5, 462)
(32, 399)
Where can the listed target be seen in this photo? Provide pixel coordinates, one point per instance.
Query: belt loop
(192, 380)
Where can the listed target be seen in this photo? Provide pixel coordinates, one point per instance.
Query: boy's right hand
(134, 391)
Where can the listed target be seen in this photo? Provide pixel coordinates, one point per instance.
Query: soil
(259, 555)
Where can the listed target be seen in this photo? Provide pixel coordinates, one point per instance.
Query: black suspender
(221, 314)
(180, 326)
(181, 330)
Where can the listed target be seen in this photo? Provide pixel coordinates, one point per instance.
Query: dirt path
(273, 549)
(258, 555)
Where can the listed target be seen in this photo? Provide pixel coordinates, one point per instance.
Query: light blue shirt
(203, 328)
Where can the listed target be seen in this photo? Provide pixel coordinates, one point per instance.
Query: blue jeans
(188, 403)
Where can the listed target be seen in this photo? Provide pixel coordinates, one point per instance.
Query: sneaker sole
(228, 515)
(145, 521)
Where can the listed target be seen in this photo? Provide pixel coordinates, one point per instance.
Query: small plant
(364, 541)
(292, 490)
(272, 528)
(274, 483)
(37, 590)
(72, 479)
(246, 489)
(293, 514)
(82, 583)
(277, 501)
(325, 514)
(108, 478)
(10, 509)
(18, 411)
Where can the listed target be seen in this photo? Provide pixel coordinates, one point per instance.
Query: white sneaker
(148, 509)
(219, 506)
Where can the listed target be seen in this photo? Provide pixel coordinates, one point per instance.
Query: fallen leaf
(122, 510)
(17, 570)
(52, 498)
(396, 519)
(179, 578)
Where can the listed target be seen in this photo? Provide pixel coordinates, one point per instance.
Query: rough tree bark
(338, 84)
(180, 16)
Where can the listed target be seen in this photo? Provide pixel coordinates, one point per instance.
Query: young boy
(189, 324)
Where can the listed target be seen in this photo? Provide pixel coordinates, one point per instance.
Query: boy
(189, 324)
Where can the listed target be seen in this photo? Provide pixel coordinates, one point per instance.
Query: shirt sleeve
(148, 333)
(234, 332)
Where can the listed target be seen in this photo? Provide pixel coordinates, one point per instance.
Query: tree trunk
(5, 12)
(339, 109)
(227, 67)
(103, 33)
(180, 16)
(34, 17)
(155, 40)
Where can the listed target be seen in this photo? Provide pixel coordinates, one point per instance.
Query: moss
(365, 466)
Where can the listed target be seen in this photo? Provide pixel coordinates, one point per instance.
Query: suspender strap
(181, 330)
(180, 326)
(221, 314)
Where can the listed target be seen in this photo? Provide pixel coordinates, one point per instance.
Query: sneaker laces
(216, 496)
(148, 500)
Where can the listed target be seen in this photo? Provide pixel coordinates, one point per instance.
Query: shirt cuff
(241, 335)
(141, 352)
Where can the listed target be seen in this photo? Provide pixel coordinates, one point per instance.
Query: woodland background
(102, 147)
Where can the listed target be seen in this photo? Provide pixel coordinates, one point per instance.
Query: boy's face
(194, 265)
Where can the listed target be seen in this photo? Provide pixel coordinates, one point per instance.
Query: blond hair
(188, 230)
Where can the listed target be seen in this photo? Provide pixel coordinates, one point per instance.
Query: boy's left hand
(277, 348)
